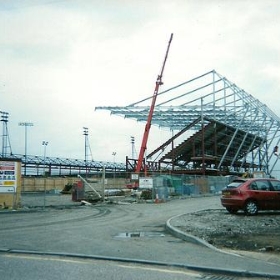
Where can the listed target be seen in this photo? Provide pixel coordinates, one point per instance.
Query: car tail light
(229, 192)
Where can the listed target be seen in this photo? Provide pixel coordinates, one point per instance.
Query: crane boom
(150, 115)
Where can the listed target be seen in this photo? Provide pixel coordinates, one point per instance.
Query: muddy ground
(260, 233)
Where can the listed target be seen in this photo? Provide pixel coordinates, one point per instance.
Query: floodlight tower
(86, 141)
(87, 146)
(45, 144)
(5, 136)
(25, 124)
(132, 146)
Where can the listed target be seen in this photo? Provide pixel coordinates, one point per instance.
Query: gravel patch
(260, 233)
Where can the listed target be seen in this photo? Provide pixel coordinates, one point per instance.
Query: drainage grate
(139, 234)
(218, 277)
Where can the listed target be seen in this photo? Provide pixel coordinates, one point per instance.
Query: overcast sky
(61, 59)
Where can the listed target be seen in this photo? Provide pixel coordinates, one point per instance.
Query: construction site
(218, 128)
(218, 131)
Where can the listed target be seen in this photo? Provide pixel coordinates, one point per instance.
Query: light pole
(25, 124)
(45, 144)
(86, 135)
(132, 146)
(114, 155)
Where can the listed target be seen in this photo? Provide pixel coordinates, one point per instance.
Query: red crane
(150, 116)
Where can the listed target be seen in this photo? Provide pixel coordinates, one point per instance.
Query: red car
(251, 195)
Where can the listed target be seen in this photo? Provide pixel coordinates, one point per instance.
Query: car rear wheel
(231, 210)
(251, 208)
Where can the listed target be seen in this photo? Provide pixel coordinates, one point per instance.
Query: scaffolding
(221, 127)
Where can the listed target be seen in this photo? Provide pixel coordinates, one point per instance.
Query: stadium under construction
(217, 128)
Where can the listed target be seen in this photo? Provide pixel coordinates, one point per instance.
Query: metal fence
(56, 191)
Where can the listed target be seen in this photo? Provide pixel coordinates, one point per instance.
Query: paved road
(131, 231)
(27, 267)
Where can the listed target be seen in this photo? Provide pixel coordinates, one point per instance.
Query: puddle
(139, 234)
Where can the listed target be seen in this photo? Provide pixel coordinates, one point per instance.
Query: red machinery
(143, 148)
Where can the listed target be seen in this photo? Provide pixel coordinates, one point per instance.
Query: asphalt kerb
(190, 238)
(205, 269)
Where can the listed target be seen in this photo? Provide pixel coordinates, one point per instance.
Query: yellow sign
(8, 176)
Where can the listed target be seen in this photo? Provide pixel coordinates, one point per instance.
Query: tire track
(101, 212)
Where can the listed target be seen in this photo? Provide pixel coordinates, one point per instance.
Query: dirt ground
(260, 233)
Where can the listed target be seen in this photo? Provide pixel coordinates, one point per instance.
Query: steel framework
(195, 110)
(36, 165)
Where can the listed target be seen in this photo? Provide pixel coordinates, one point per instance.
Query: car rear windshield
(235, 184)
(275, 185)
